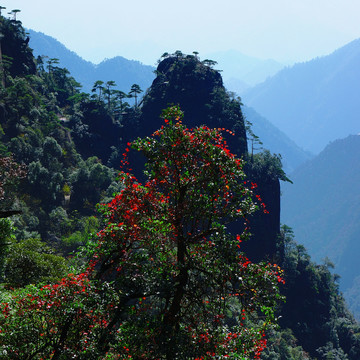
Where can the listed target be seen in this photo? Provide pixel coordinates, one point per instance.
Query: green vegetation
(44, 122)
(321, 323)
(162, 273)
(168, 277)
(31, 261)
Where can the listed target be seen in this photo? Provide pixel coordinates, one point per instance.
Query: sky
(284, 30)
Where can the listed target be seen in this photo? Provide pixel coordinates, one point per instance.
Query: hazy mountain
(275, 140)
(123, 71)
(313, 102)
(236, 85)
(322, 206)
(321, 325)
(242, 71)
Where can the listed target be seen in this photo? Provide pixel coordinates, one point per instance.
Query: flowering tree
(174, 282)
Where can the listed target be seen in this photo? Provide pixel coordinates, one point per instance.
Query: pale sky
(284, 30)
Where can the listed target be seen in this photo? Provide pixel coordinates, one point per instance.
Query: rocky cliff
(198, 88)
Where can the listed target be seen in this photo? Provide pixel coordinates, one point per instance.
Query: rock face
(265, 227)
(198, 90)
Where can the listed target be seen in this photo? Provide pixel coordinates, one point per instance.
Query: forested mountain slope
(313, 102)
(322, 206)
(71, 144)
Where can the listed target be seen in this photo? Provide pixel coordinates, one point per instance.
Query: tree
(98, 85)
(134, 91)
(253, 138)
(6, 237)
(178, 54)
(31, 261)
(2, 69)
(50, 64)
(209, 62)
(40, 64)
(13, 13)
(10, 173)
(108, 92)
(120, 96)
(166, 279)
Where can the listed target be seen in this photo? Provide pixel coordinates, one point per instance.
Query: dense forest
(187, 262)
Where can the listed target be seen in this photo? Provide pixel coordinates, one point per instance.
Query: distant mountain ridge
(322, 206)
(250, 69)
(241, 71)
(313, 102)
(123, 71)
(275, 140)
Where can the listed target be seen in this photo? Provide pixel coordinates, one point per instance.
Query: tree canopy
(166, 279)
